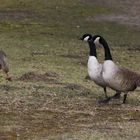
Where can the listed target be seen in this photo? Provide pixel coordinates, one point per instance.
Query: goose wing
(128, 79)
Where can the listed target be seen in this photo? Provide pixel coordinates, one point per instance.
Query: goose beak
(80, 38)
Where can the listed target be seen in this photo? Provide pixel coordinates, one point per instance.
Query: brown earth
(32, 76)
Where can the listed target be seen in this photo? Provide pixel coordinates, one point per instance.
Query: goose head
(99, 41)
(86, 37)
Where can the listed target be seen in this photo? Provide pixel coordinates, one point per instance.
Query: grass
(42, 37)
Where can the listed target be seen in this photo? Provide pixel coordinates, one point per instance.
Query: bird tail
(138, 81)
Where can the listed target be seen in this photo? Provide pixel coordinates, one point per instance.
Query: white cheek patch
(86, 38)
(97, 43)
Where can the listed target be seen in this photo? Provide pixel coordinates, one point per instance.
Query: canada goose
(94, 67)
(3, 65)
(117, 78)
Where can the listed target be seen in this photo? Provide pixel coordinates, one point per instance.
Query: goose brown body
(129, 80)
(120, 79)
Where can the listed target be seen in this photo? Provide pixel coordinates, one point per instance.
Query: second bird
(117, 78)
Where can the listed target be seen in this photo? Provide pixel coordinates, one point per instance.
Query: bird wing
(128, 78)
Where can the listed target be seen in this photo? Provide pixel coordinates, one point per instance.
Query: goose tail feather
(138, 81)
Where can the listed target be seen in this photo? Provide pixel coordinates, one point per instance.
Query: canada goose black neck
(92, 49)
(108, 55)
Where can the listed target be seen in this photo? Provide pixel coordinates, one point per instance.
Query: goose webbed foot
(104, 101)
(116, 96)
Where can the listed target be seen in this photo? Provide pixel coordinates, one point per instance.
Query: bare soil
(32, 76)
(73, 86)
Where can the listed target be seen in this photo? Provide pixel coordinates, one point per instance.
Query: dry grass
(49, 99)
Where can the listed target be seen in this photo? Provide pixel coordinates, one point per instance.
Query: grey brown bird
(4, 65)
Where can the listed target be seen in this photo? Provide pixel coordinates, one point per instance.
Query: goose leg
(117, 95)
(105, 92)
(107, 99)
(124, 99)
